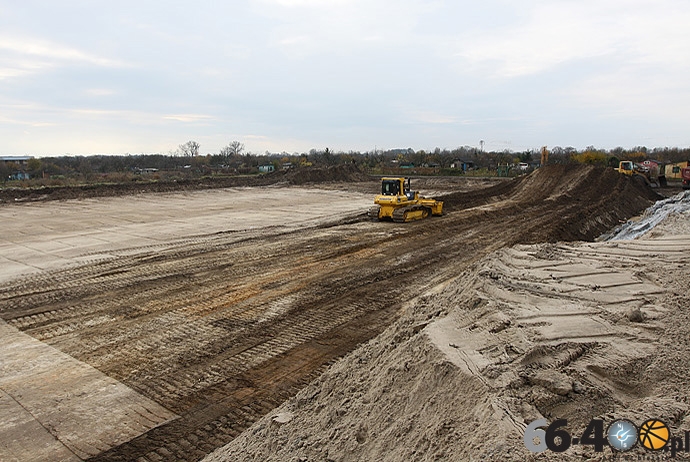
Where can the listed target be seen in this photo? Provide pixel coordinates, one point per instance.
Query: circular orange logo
(653, 434)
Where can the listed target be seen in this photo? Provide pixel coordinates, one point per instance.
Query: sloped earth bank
(301, 176)
(222, 328)
(575, 331)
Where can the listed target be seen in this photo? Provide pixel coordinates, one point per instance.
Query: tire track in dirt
(223, 328)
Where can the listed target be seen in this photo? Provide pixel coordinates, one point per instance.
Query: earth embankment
(221, 328)
(575, 331)
(338, 173)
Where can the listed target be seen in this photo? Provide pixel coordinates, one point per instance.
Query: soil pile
(591, 201)
(580, 182)
(298, 176)
(575, 331)
(47, 193)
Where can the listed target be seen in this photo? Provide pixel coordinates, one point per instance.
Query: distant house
(18, 175)
(462, 165)
(266, 168)
(19, 163)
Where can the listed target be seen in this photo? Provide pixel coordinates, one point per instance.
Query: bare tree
(232, 150)
(236, 148)
(189, 149)
(226, 153)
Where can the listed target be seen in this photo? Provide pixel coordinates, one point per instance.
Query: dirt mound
(338, 173)
(519, 336)
(47, 193)
(307, 175)
(582, 182)
(592, 200)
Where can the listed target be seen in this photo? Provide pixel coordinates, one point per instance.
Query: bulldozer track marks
(195, 325)
(222, 328)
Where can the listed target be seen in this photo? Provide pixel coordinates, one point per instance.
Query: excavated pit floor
(217, 306)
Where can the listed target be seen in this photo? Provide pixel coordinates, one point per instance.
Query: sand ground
(191, 315)
(576, 331)
(48, 235)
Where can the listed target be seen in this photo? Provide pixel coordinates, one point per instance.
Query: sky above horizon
(95, 77)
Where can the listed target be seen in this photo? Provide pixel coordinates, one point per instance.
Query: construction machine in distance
(685, 175)
(651, 172)
(399, 203)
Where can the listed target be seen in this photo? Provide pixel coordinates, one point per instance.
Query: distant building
(19, 160)
(462, 165)
(19, 176)
(266, 168)
(19, 163)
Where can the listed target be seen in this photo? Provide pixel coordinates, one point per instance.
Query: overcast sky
(122, 76)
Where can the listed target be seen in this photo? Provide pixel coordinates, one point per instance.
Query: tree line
(234, 159)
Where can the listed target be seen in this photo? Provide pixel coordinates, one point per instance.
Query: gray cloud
(93, 77)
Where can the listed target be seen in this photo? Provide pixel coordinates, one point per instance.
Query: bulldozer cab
(390, 187)
(395, 187)
(626, 165)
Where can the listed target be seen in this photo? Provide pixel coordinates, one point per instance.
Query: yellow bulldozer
(399, 203)
(652, 173)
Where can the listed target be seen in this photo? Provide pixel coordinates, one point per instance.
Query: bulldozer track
(222, 328)
(118, 314)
